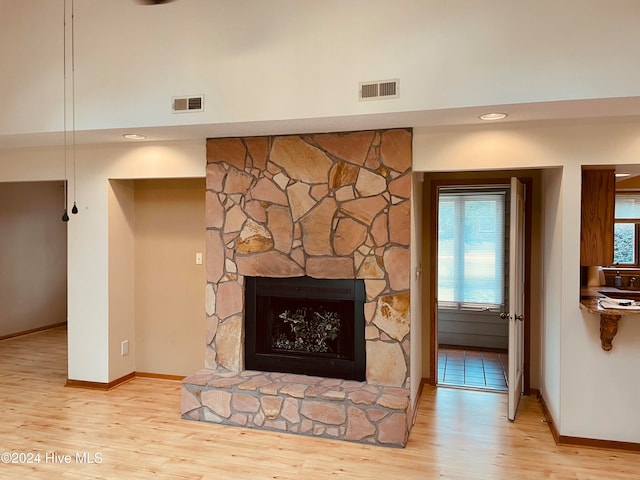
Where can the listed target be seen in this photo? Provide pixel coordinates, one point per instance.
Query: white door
(516, 296)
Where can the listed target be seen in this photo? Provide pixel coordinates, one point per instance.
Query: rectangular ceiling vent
(379, 90)
(193, 103)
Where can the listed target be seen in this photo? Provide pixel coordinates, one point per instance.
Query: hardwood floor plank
(137, 431)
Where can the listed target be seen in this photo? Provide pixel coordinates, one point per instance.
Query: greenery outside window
(626, 230)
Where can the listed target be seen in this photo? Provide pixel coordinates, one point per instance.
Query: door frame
(469, 180)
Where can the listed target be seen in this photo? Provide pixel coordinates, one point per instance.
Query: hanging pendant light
(74, 210)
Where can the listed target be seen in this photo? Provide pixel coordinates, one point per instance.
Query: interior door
(516, 296)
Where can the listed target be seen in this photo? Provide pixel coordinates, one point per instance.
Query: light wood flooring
(137, 431)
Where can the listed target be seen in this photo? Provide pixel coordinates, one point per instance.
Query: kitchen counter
(589, 297)
(609, 317)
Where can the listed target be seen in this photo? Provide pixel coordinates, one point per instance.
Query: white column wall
(122, 262)
(551, 300)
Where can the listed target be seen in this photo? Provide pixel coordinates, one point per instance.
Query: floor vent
(188, 104)
(379, 90)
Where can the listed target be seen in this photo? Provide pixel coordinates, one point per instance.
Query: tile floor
(472, 368)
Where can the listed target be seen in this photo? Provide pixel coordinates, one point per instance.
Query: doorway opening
(450, 358)
(472, 286)
(33, 255)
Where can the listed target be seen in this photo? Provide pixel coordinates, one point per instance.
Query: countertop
(589, 297)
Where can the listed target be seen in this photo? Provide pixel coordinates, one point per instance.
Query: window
(626, 229)
(471, 248)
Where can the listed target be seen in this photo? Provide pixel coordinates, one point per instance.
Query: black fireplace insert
(305, 325)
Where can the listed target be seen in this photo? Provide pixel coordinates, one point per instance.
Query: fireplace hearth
(305, 326)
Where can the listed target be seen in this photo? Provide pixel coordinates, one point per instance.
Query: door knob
(520, 317)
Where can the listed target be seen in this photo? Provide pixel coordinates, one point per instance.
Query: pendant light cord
(73, 102)
(65, 216)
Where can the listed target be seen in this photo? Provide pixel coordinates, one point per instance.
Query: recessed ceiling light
(493, 116)
(134, 136)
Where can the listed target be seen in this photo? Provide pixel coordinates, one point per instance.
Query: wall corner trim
(581, 441)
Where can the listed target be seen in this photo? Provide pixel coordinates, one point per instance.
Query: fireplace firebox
(306, 326)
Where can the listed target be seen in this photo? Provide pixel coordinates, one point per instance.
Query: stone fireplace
(321, 206)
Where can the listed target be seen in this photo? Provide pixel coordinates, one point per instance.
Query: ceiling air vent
(379, 90)
(188, 104)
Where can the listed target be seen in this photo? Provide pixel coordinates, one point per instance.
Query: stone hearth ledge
(299, 404)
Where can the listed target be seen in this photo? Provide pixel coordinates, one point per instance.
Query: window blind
(471, 249)
(627, 206)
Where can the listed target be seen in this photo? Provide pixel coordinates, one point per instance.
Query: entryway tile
(472, 368)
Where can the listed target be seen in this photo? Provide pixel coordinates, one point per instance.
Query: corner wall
(417, 276)
(121, 278)
(551, 299)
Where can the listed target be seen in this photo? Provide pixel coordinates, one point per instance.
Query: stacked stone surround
(326, 206)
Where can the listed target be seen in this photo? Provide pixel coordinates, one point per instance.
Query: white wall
(289, 59)
(121, 278)
(472, 328)
(578, 375)
(551, 291)
(170, 326)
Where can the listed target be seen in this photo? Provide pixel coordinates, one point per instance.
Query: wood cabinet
(597, 217)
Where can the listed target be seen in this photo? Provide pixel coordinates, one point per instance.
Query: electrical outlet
(198, 258)
(124, 347)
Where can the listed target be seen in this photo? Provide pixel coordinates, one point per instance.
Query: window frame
(636, 246)
(471, 190)
(636, 222)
